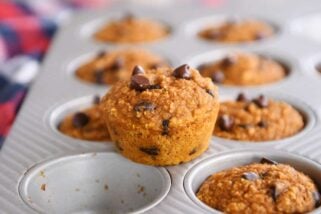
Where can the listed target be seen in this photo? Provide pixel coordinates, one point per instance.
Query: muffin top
(86, 124)
(237, 31)
(157, 96)
(259, 119)
(109, 67)
(265, 187)
(244, 69)
(130, 29)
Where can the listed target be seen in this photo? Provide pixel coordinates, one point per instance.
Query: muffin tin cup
(57, 92)
(193, 27)
(309, 116)
(285, 60)
(56, 114)
(93, 183)
(76, 62)
(226, 160)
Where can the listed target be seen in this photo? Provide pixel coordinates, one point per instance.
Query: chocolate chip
(117, 64)
(245, 126)
(241, 97)
(228, 61)
(153, 151)
(138, 70)
(218, 77)
(210, 92)
(225, 122)
(96, 100)
(139, 82)
(128, 16)
(192, 152)
(251, 176)
(202, 67)
(316, 197)
(155, 86)
(262, 124)
(101, 53)
(80, 119)
(165, 125)
(276, 190)
(259, 36)
(214, 34)
(144, 106)
(182, 72)
(265, 160)
(261, 101)
(99, 75)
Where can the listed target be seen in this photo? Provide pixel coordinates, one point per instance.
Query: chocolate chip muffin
(237, 31)
(86, 124)
(109, 67)
(163, 116)
(130, 29)
(266, 187)
(257, 120)
(244, 69)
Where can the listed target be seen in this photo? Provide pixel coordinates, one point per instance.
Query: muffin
(109, 67)
(237, 31)
(163, 116)
(130, 29)
(86, 124)
(257, 120)
(266, 187)
(244, 69)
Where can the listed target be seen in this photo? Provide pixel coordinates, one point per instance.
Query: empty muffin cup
(93, 183)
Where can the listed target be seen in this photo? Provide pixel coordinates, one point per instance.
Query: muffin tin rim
(30, 171)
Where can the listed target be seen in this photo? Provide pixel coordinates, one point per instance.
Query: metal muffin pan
(35, 144)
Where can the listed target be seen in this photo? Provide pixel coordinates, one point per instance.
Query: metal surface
(56, 91)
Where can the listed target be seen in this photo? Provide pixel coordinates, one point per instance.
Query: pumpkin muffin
(244, 69)
(86, 124)
(266, 187)
(237, 31)
(163, 116)
(130, 29)
(109, 67)
(257, 120)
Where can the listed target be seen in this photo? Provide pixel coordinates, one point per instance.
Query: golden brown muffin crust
(91, 129)
(109, 67)
(237, 31)
(247, 120)
(131, 29)
(244, 69)
(260, 188)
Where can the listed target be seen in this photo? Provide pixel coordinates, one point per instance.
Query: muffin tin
(44, 171)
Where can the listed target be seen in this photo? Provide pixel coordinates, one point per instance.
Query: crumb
(42, 174)
(122, 201)
(97, 181)
(140, 189)
(43, 187)
(77, 189)
(138, 175)
(106, 187)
